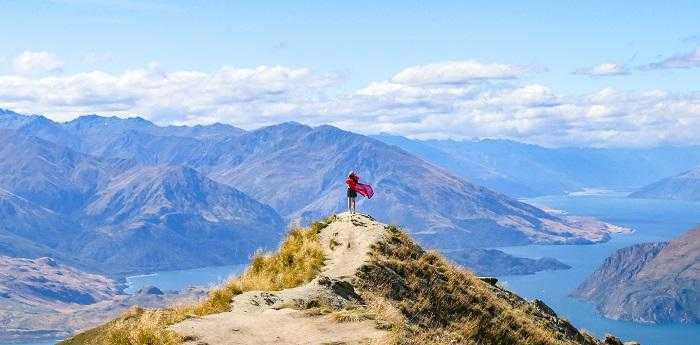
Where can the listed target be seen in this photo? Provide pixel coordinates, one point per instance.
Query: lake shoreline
(653, 221)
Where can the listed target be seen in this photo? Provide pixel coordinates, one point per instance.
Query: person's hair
(351, 173)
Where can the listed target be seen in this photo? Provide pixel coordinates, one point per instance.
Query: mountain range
(128, 183)
(684, 186)
(116, 215)
(649, 282)
(526, 170)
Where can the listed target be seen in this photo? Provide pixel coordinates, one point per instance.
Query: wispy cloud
(458, 72)
(37, 62)
(603, 69)
(685, 60)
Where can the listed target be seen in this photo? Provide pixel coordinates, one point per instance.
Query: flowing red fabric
(361, 188)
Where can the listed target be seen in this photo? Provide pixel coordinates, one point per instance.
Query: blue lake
(181, 279)
(652, 220)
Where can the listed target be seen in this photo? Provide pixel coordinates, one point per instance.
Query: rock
(340, 288)
(612, 340)
(48, 261)
(490, 280)
(150, 290)
(542, 307)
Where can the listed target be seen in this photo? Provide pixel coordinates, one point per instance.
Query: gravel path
(259, 317)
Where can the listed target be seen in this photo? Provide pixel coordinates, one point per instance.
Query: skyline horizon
(553, 74)
(4, 111)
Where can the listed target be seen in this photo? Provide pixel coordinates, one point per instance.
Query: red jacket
(365, 190)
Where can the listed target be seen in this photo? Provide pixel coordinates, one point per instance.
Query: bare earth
(258, 317)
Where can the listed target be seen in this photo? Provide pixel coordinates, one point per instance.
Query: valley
(188, 205)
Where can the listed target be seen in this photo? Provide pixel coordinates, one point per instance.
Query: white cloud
(37, 62)
(423, 107)
(604, 69)
(459, 72)
(243, 94)
(526, 112)
(687, 60)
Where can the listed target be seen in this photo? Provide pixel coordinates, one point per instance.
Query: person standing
(355, 187)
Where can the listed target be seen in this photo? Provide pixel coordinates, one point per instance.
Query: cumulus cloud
(421, 102)
(459, 72)
(603, 69)
(687, 60)
(37, 62)
(185, 96)
(526, 112)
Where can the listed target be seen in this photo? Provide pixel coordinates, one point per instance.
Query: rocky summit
(349, 279)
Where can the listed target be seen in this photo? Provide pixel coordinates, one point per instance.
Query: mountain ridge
(61, 187)
(650, 282)
(299, 170)
(527, 170)
(685, 186)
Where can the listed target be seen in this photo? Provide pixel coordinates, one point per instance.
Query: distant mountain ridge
(526, 170)
(492, 262)
(118, 216)
(649, 282)
(685, 186)
(296, 169)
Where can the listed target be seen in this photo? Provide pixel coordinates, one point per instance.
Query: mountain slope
(31, 230)
(106, 215)
(165, 217)
(685, 186)
(42, 300)
(649, 283)
(43, 281)
(373, 279)
(48, 174)
(299, 171)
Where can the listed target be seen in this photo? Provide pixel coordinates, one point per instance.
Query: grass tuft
(353, 314)
(298, 260)
(427, 300)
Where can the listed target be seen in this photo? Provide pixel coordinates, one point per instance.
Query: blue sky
(349, 46)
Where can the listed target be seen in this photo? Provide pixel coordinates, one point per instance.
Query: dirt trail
(258, 317)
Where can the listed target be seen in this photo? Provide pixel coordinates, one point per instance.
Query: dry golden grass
(352, 314)
(297, 261)
(430, 301)
(417, 295)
